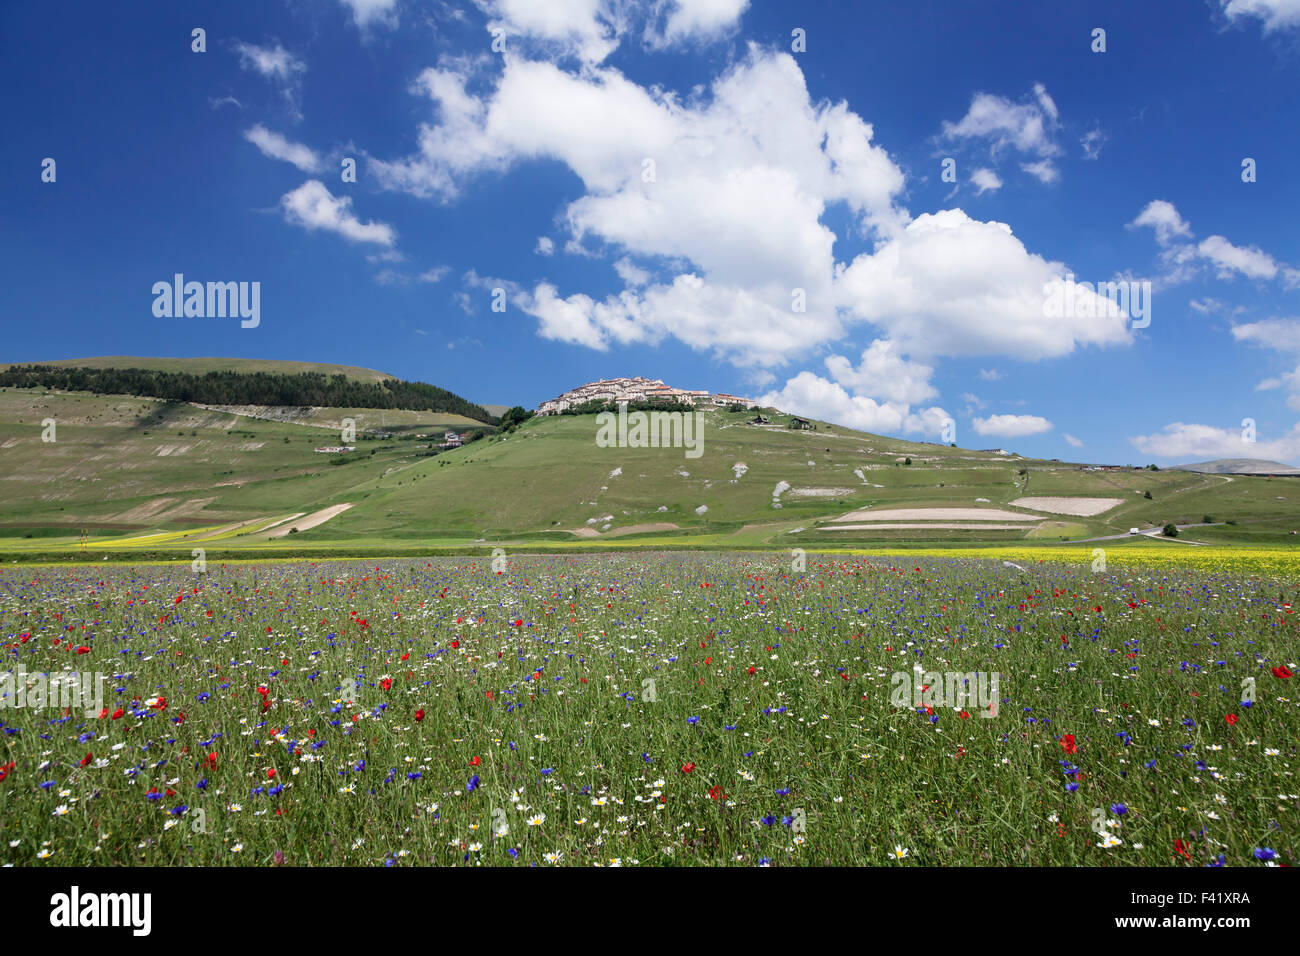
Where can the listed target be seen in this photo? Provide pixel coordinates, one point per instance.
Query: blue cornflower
(784, 791)
(178, 810)
(473, 783)
(1118, 809)
(202, 784)
(513, 852)
(692, 720)
(413, 775)
(547, 771)
(1264, 854)
(768, 821)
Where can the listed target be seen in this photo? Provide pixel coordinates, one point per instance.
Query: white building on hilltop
(636, 389)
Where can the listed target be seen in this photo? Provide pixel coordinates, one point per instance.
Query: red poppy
(687, 767)
(87, 759)
(160, 703)
(1231, 719)
(715, 793)
(1283, 672)
(212, 761)
(963, 715)
(491, 696)
(263, 691)
(1181, 849)
(455, 643)
(751, 670)
(83, 649)
(270, 774)
(419, 715)
(474, 761)
(519, 622)
(1067, 744)
(118, 714)
(5, 769)
(386, 683)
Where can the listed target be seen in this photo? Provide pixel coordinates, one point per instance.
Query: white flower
(900, 852)
(1109, 840)
(60, 810)
(537, 819)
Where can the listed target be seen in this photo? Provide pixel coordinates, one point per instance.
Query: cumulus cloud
(813, 396)
(1071, 440)
(985, 180)
(1276, 14)
(313, 207)
(545, 246)
(1011, 426)
(1251, 261)
(727, 193)
(591, 30)
(949, 285)
(884, 374)
(277, 147)
(1161, 216)
(1187, 442)
(1027, 127)
(368, 12)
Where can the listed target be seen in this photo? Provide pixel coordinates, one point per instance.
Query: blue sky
(648, 184)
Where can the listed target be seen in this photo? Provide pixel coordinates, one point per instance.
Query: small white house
(1133, 531)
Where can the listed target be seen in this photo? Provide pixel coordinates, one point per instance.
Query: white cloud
(276, 64)
(631, 274)
(277, 147)
(1276, 14)
(1187, 442)
(592, 29)
(1092, 142)
(811, 395)
(1027, 127)
(1070, 439)
(990, 375)
(952, 286)
(366, 12)
(545, 246)
(884, 374)
(1251, 262)
(694, 20)
(313, 207)
(740, 182)
(436, 274)
(1011, 426)
(1161, 216)
(985, 180)
(1043, 170)
(1282, 335)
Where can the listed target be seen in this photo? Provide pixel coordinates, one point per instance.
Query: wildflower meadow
(649, 709)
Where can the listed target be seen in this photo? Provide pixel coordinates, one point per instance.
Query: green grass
(567, 647)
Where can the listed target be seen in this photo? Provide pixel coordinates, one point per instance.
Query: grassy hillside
(201, 366)
(146, 474)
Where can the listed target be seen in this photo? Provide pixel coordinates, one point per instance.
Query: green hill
(138, 473)
(201, 366)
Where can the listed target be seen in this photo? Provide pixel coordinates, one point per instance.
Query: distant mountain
(242, 382)
(1240, 466)
(201, 366)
